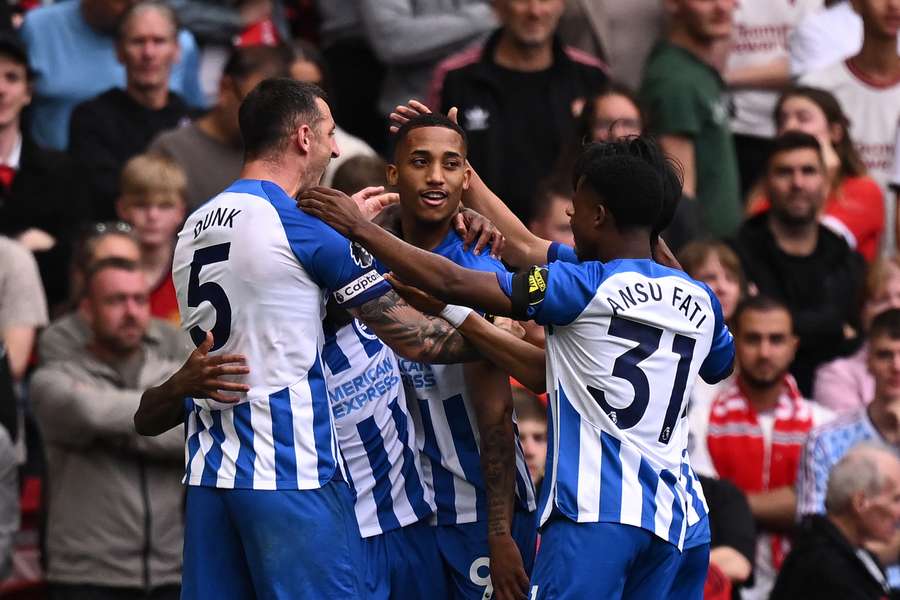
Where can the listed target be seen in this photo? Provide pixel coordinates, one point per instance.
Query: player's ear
(304, 135)
(392, 175)
(467, 177)
(601, 215)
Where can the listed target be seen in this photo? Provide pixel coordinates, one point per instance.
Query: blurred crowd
(120, 117)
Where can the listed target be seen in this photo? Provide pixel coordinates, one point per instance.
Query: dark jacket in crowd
(46, 194)
(517, 122)
(108, 130)
(824, 566)
(822, 291)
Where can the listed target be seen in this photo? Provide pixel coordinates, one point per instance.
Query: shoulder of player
(452, 248)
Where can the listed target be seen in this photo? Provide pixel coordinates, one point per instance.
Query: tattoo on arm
(412, 334)
(498, 465)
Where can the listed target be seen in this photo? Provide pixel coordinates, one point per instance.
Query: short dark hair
(113, 262)
(243, 62)
(886, 323)
(428, 120)
(630, 185)
(143, 5)
(794, 140)
(759, 303)
(273, 110)
(12, 47)
(358, 172)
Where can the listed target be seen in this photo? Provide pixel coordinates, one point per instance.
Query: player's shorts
(691, 576)
(404, 564)
(602, 560)
(278, 544)
(464, 550)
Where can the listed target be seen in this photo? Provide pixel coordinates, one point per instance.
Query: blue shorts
(602, 560)
(404, 564)
(464, 550)
(691, 576)
(246, 544)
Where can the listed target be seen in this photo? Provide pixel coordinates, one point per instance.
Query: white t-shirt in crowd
(873, 110)
(761, 32)
(826, 37)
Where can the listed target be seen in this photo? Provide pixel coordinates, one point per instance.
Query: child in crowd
(153, 202)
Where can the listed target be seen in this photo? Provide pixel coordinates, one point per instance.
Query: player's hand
(372, 200)
(472, 226)
(421, 301)
(510, 326)
(334, 207)
(200, 375)
(411, 110)
(507, 571)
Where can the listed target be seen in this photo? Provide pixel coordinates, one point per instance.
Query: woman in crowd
(716, 265)
(845, 384)
(855, 205)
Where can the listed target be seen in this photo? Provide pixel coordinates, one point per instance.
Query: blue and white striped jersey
(625, 342)
(254, 269)
(443, 411)
(375, 431)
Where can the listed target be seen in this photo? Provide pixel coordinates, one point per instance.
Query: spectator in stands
(114, 509)
(70, 332)
(825, 37)
(756, 70)
(360, 172)
(550, 212)
(23, 307)
(71, 47)
(716, 265)
(308, 65)
(531, 420)
(218, 23)
(733, 537)
(147, 46)
(41, 202)
(152, 201)
(411, 37)
(845, 384)
(788, 255)
(854, 208)
(829, 560)
(757, 428)
(620, 33)
(518, 95)
(868, 87)
(684, 96)
(209, 150)
(877, 422)
(9, 501)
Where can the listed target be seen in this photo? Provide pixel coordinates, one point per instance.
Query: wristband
(455, 315)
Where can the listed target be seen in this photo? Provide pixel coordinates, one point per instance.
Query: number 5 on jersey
(210, 292)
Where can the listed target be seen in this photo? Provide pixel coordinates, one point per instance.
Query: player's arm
(493, 410)
(434, 274)
(162, 407)
(413, 335)
(526, 362)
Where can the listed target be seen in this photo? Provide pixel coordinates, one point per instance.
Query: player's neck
(878, 59)
(285, 177)
(9, 136)
(154, 98)
(519, 57)
(426, 236)
(635, 246)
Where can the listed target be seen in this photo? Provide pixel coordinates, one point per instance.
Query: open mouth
(433, 197)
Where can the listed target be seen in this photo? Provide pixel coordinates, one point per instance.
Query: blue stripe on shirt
(334, 357)
(381, 471)
(214, 454)
(649, 482)
(412, 485)
(323, 432)
(610, 477)
(466, 449)
(677, 507)
(243, 427)
(283, 439)
(442, 479)
(570, 447)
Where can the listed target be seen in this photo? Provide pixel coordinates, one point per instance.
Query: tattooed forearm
(498, 465)
(413, 335)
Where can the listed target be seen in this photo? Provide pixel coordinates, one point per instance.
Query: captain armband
(528, 290)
